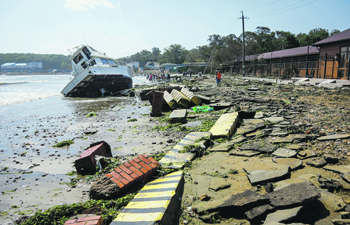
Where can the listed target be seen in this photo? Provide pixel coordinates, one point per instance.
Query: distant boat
(96, 74)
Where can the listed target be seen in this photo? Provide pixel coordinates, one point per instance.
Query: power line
(263, 5)
(287, 9)
(278, 9)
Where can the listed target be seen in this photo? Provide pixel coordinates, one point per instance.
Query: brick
(145, 166)
(136, 171)
(153, 161)
(118, 170)
(126, 182)
(70, 222)
(88, 218)
(95, 222)
(135, 177)
(80, 223)
(120, 184)
(117, 176)
(126, 170)
(137, 166)
(127, 164)
(127, 177)
(109, 175)
(137, 160)
(144, 159)
(153, 166)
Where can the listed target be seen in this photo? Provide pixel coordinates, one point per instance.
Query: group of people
(157, 77)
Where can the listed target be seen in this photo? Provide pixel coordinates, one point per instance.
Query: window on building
(92, 63)
(78, 58)
(111, 62)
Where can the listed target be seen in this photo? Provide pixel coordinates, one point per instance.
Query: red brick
(137, 172)
(144, 171)
(109, 175)
(137, 160)
(152, 165)
(127, 177)
(88, 218)
(135, 177)
(127, 164)
(144, 159)
(145, 166)
(137, 166)
(126, 170)
(118, 170)
(126, 182)
(69, 222)
(116, 175)
(120, 184)
(153, 161)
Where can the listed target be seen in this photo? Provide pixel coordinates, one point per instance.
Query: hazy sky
(123, 27)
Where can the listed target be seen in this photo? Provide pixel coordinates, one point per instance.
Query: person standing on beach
(218, 77)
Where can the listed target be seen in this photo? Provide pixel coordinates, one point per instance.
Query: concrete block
(191, 96)
(157, 202)
(224, 126)
(180, 98)
(178, 116)
(170, 100)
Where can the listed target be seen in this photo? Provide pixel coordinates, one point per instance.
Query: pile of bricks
(94, 220)
(133, 171)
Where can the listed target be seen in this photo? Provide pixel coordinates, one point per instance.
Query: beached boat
(96, 74)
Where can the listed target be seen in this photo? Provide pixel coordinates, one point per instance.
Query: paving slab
(259, 115)
(274, 119)
(156, 203)
(284, 153)
(306, 154)
(332, 201)
(174, 158)
(178, 116)
(247, 153)
(223, 147)
(224, 126)
(333, 137)
(284, 183)
(245, 129)
(262, 164)
(282, 215)
(291, 162)
(316, 162)
(238, 140)
(218, 183)
(261, 176)
(338, 169)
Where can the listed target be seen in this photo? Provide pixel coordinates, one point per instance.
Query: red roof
(342, 36)
(283, 53)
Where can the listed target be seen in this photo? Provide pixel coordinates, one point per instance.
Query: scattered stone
(252, 147)
(223, 147)
(333, 137)
(249, 128)
(238, 140)
(284, 216)
(332, 202)
(267, 149)
(247, 153)
(346, 177)
(261, 176)
(293, 195)
(259, 115)
(340, 221)
(291, 162)
(284, 153)
(295, 146)
(338, 169)
(269, 187)
(218, 183)
(284, 183)
(258, 211)
(331, 159)
(261, 164)
(274, 119)
(317, 162)
(306, 154)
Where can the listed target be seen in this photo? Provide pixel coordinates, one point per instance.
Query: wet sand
(33, 172)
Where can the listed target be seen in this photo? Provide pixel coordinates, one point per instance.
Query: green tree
(174, 54)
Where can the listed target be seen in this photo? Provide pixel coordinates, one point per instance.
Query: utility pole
(243, 44)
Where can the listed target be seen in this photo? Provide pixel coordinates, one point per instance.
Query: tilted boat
(96, 74)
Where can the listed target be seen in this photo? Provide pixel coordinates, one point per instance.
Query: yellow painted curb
(225, 125)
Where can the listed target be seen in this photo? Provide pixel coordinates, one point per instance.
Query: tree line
(50, 61)
(224, 49)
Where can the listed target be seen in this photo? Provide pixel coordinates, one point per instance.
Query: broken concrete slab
(180, 98)
(346, 177)
(284, 153)
(178, 116)
(294, 195)
(284, 183)
(175, 159)
(191, 96)
(238, 140)
(247, 199)
(223, 147)
(255, 133)
(291, 162)
(317, 162)
(290, 138)
(170, 100)
(284, 215)
(333, 137)
(246, 153)
(218, 183)
(204, 99)
(224, 126)
(306, 154)
(332, 202)
(274, 119)
(261, 176)
(252, 147)
(261, 164)
(258, 211)
(252, 121)
(259, 115)
(338, 169)
(331, 159)
(242, 130)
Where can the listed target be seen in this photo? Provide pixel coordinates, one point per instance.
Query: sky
(122, 28)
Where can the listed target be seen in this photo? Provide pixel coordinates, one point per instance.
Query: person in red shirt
(218, 77)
